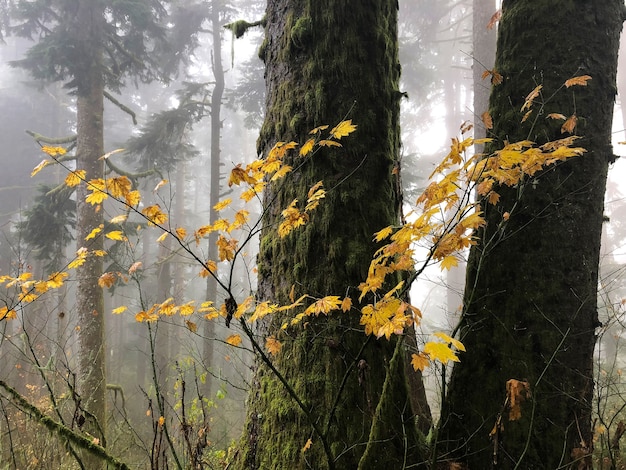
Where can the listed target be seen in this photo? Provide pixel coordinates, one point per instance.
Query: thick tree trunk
(327, 61)
(89, 148)
(530, 302)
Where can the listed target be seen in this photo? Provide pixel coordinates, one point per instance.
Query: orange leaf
(581, 80)
(107, 280)
(517, 391)
(487, 121)
(419, 361)
(569, 125)
(557, 116)
(531, 97)
(272, 345)
(234, 340)
(494, 19)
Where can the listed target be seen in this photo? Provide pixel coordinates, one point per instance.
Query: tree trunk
(530, 302)
(89, 148)
(214, 195)
(327, 61)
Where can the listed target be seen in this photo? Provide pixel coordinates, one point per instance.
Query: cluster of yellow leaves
(273, 167)
(445, 222)
(28, 289)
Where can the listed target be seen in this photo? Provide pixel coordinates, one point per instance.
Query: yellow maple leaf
(449, 262)
(81, 257)
(7, 314)
(96, 197)
(383, 234)
(74, 178)
(94, 232)
(120, 309)
(226, 248)
(281, 172)
(316, 193)
(307, 147)
(187, 309)
(154, 215)
(346, 304)
(181, 232)
(440, 352)
(307, 445)
(161, 421)
(241, 217)
(55, 280)
(162, 237)
(239, 175)
(53, 151)
(419, 362)
(272, 345)
(326, 304)
(119, 187)
(116, 235)
(318, 129)
(222, 204)
(448, 339)
(581, 81)
(133, 198)
(234, 340)
(342, 129)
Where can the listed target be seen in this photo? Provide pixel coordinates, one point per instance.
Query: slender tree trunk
(530, 302)
(484, 53)
(327, 61)
(89, 148)
(214, 194)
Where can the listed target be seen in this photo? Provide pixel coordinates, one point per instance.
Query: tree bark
(530, 301)
(327, 61)
(89, 148)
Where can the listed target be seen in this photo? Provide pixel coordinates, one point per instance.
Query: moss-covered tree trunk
(530, 302)
(89, 148)
(329, 60)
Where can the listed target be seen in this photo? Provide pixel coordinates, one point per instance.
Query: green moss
(302, 32)
(263, 49)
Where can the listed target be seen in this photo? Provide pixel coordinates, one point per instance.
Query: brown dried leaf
(494, 19)
(569, 125)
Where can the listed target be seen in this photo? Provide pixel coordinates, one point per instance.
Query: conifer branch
(122, 106)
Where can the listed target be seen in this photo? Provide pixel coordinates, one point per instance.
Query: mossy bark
(327, 61)
(88, 26)
(530, 302)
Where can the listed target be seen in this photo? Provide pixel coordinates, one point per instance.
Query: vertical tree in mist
(530, 307)
(92, 45)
